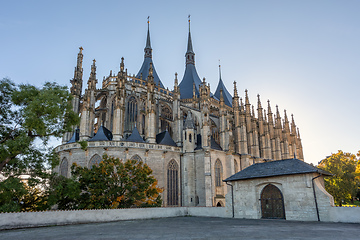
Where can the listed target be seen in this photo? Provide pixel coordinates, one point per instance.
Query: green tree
(12, 192)
(29, 116)
(63, 192)
(117, 184)
(344, 185)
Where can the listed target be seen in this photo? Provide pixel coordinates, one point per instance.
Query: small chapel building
(286, 189)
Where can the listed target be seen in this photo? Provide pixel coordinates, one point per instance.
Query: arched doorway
(272, 202)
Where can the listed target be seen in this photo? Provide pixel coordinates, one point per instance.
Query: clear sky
(302, 55)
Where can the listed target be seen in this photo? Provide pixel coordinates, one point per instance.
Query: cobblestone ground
(191, 228)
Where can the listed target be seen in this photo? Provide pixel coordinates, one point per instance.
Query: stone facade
(213, 135)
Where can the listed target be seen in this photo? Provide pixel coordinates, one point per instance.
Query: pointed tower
(119, 112)
(191, 76)
(286, 152)
(278, 135)
(224, 143)
(88, 108)
(261, 124)
(75, 90)
(144, 70)
(150, 108)
(177, 113)
(225, 92)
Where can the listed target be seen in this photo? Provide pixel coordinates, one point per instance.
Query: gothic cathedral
(191, 138)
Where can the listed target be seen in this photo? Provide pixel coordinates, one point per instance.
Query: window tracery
(172, 184)
(131, 114)
(95, 160)
(218, 173)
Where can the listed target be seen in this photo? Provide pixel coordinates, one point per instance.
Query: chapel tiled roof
(276, 168)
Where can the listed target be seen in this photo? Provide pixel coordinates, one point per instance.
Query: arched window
(136, 157)
(95, 160)
(218, 173)
(215, 132)
(131, 114)
(172, 184)
(166, 118)
(190, 137)
(64, 167)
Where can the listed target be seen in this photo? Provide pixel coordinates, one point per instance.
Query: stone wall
(50, 218)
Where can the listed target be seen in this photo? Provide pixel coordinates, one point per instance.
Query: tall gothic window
(172, 184)
(166, 118)
(218, 173)
(95, 160)
(215, 132)
(131, 113)
(64, 167)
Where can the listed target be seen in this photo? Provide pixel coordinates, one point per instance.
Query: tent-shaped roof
(227, 96)
(75, 137)
(190, 78)
(276, 168)
(135, 136)
(103, 134)
(144, 70)
(164, 138)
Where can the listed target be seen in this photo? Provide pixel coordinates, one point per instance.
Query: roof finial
(219, 70)
(148, 21)
(189, 21)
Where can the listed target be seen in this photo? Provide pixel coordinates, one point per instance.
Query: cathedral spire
(191, 76)
(190, 55)
(148, 49)
(144, 70)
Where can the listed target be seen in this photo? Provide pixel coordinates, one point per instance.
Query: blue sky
(302, 55)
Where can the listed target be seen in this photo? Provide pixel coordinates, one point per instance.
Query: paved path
(191, 228)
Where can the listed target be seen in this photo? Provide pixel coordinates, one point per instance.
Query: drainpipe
(232, 197)
(316, 205)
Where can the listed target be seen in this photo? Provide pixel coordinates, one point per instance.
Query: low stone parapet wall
(48, 218)
(344, 214)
